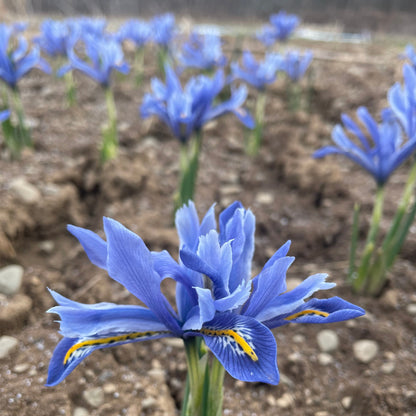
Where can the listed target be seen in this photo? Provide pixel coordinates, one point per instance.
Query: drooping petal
(94, 246)
(205, 311)
(82, 320)
(245, 347)
(288, 302)
(319, 311)
(130, 263)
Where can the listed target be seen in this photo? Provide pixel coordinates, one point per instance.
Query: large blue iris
(217, 298)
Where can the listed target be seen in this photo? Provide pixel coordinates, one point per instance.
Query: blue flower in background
(16, 60)
(203, 52)
(380, 158)
(411, 54)
(266, 35)
(402, 101)
(55, 38)
(295, 64)
(163, 29)
(216, 297)
(284, 24)
(87, 26)
(185, 111)
(4, 115)
(257, 74)
(138, 31)
(105, 55)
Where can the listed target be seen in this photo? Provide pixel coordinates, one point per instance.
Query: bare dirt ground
(293, 197)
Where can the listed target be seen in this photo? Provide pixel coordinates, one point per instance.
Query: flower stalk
(254, 138)
(109, 145)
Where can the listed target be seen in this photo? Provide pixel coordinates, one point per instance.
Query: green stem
(138, 65)
(354, 240)
(109, 146)
(362, 274)
(23, 136)
(189, 162)
(216, 388)
(70, 88)
(255, 136)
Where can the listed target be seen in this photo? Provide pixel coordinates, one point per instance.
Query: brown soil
(293, 197)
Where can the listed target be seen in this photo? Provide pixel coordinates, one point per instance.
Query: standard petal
(245, 347)
(187, 225)
(130, 263)
(94, 246)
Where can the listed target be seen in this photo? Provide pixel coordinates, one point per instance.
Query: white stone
(265, 198)
(148, 402)
(388, 367)
(346, 402)
(285, 401)
(325, 358)
(94, 397)
(411, 308)
(11, 279)
(7, 345)
(25, 191)
(365, 350)
(327, 340)
(80, 411)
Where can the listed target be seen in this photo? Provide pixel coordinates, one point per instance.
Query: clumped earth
(293, 197)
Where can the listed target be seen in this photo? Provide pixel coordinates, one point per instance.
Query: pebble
(328, 340)
(346, 402)
(298, 338)
(47, 246)
(265, 198)
(94, 397)
(7, 345)
(325, 358)
(411, 308)
(21, 368)
(174, 342)
(365, 350)
(148, 402)
(390, 298)
(80, 411)
(109, 388)
(388, 367)
(157, 374)
(285, 401)
(321, 413)
(25, 191)
(11, 279)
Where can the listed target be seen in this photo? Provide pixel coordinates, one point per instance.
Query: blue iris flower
(257, 74)
(4, 115)
(216, 297)
(203, 52)
(381, 157)
(402, 101)
(18, 61)
(295, 64)
(163, 29)
(54, 37)
(185, 111)
(138, 31)
(105, 55)
(87, 26)
(284, 24)
(411, 54)
(281, 26)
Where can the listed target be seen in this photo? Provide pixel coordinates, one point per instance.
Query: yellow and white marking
(229, 335)
(107, 341)
(306, 312)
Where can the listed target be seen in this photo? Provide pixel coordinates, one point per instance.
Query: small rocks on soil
(365, 350)
(327, 340)
(11, 279)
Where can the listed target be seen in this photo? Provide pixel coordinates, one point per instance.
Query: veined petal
(235, 299)
(130, 263)
(245, 347)
(281, 252)
(187, 225)
(202, 313)
(268, 285)
(319, 311)
(94, 246)
(82, 320)
(71, 351)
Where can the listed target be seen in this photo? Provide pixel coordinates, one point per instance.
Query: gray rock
(7, 345)
(11, 279)
(25, 191)
(94, 397)
(327, 340)
(365, 350)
